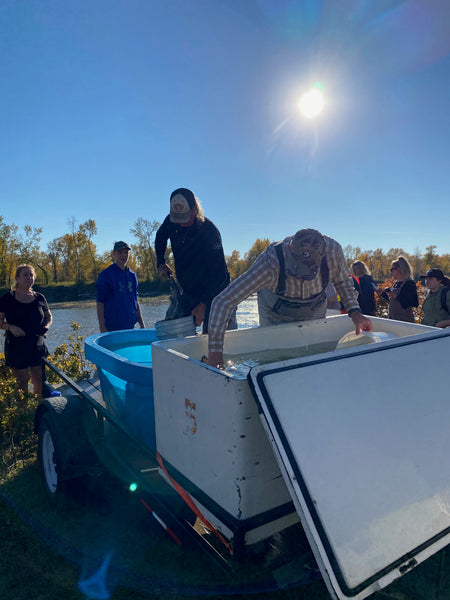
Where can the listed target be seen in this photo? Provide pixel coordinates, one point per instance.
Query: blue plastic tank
(124, 365)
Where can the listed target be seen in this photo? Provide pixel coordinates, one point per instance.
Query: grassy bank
(76, 292)
(149, 300)
(46, 552)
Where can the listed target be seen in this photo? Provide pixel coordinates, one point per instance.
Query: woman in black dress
(26, 318)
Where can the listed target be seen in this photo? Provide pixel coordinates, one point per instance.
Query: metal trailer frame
(99, 441)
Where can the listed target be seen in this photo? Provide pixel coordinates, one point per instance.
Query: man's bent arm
(139, 316)
(101, 317)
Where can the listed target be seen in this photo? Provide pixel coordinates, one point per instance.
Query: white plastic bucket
(175, 328)
(365, 337)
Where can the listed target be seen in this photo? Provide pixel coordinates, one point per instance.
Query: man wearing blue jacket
(117, 294)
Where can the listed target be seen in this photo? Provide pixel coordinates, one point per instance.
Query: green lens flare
(319, 86)
(132, 487)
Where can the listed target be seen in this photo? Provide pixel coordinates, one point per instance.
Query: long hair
(19, 270)
(192, 200)
(359, 268)
(404, 266)
(198, 210)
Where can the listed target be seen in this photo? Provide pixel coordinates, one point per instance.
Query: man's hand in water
(215, 359)
(361, 322)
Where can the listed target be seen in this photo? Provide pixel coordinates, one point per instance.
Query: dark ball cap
(182, 202)
(120, 245)
(187, 194)
(434, 273)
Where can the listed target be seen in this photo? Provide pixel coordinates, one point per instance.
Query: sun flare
(311, 103)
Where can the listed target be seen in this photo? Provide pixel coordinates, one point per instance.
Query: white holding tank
(352, 441)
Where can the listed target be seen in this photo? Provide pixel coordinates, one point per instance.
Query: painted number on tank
(191, 417)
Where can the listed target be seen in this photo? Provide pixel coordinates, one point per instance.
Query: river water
(153, 309)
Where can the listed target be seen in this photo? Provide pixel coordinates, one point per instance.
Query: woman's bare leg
(36, 380)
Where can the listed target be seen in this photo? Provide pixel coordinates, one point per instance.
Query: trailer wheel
(51, 459)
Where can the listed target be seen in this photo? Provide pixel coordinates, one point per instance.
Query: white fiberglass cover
(362, 438)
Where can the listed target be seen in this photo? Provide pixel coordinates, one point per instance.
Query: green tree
(444, 264)
(258, 247)
(29, 251)
(430, 259)
(351, 253)
(416, 263)
(145, 255)
(75, 245)
(236, 265)
(64, 245)
(87, 231)
(54, 256)
(8, 252)
(18, 247)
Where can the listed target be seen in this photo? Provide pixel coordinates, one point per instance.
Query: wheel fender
(53, 406)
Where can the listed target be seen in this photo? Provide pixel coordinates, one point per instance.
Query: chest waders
(275, 308)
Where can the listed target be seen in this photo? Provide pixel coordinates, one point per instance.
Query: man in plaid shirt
(290, 278)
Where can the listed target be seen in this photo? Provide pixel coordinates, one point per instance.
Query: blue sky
(106, 106)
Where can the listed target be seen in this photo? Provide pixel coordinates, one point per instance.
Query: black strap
(281, 287)
(325, 272)
(444, 291)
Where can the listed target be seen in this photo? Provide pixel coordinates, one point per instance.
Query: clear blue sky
(108, 105)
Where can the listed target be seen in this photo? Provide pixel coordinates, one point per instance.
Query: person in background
(290, 277)
(199, 259)
(436, 305)
(332, 299)
(367, 286)
(26, 318)
(117, 294)
(402, 296)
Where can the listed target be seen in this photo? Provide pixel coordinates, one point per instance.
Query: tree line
(73, 258)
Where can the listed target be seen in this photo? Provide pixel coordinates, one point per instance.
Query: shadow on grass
(46, 552)
(106, 522)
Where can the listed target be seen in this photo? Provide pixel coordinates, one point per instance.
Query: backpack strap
(281, 287)
(324, 271)
(444, 291)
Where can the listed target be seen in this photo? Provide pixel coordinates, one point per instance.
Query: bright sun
(311, 103)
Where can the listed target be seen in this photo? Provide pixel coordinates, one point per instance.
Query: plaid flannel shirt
(264, 274)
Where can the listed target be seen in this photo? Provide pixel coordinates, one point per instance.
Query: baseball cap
(434, 273)
(306, 250)
(120, 245)
(182, 202)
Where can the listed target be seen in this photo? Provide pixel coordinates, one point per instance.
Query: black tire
(51, 459)
(64, 452)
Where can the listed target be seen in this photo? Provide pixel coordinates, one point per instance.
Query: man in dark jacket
(197, 249)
